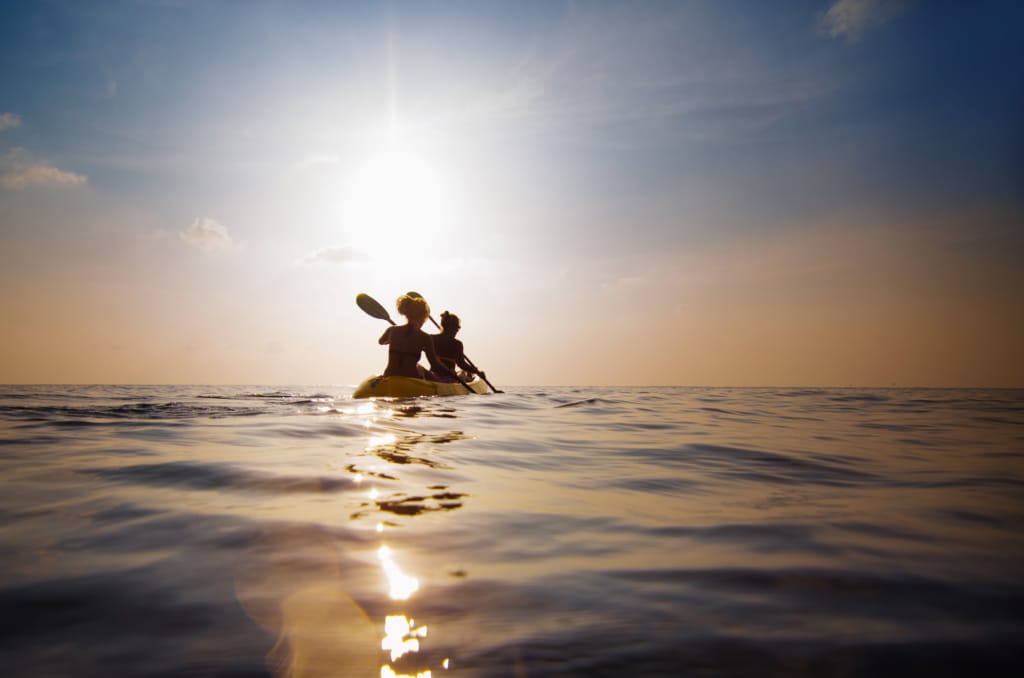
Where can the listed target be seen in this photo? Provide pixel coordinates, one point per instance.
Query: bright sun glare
(399, 207)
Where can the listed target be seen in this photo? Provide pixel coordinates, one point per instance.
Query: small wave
(655, 484)
(196, 476)
(90, 415)
(883, 531)
(881, 594)
(1001, 421)
(757, 465)
(287, 395)
(973, 518)
(859, 397)
(327, 429)
(39, 440)
(966, 482)
(762, 538)
(405, 505)
(124, 513)
(797, 393)
(585, 401)
(895, 427)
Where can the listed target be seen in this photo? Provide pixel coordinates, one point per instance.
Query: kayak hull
(408, 387)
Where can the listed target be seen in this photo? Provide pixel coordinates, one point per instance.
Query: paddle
(470, 362)
(372, 307)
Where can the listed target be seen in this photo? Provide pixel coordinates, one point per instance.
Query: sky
(706, 193)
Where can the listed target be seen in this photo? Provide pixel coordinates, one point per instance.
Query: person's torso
(448, 349)
(404, 349)
(406, 339)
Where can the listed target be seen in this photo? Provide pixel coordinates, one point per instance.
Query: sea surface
(294, 532)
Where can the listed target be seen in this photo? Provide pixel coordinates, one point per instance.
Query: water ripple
(225, 530)
(209, 476)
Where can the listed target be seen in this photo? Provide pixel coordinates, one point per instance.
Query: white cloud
(850, 18)
(41, 174)
(335, 255)
(207, 235)
(22, 171)
(9, 120)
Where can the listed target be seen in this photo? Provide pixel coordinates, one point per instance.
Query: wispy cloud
(335, 255)
(681, 86)
(850, 18)
(207, 235)
(9, 120)
(22, 170)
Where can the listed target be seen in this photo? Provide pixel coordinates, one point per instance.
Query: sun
(399, 206)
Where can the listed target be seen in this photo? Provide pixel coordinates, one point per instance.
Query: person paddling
(449, 349)
(407, 342)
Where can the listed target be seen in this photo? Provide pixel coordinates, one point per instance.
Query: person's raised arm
(386, 337)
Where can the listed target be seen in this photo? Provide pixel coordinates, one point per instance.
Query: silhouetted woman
(406, 342)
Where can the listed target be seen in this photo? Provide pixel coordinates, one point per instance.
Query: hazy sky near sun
(697, 193)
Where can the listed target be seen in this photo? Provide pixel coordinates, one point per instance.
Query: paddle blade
(371, 307)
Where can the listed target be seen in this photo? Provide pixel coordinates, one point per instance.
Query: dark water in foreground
(250, 531)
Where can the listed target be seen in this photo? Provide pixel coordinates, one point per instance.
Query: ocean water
(294, 532)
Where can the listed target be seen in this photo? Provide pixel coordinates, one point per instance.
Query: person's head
(450, 323)
(415, 309)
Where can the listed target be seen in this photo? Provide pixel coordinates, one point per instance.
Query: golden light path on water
(401, 635)
(321, 629)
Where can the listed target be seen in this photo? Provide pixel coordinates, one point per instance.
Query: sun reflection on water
(366, 408)
(400, 584)
(387, 672)
(401, 635)
(380, 441)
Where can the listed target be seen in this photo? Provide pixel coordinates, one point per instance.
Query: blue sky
(650, 192)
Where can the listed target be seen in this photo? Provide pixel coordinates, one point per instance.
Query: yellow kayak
(408, 387)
